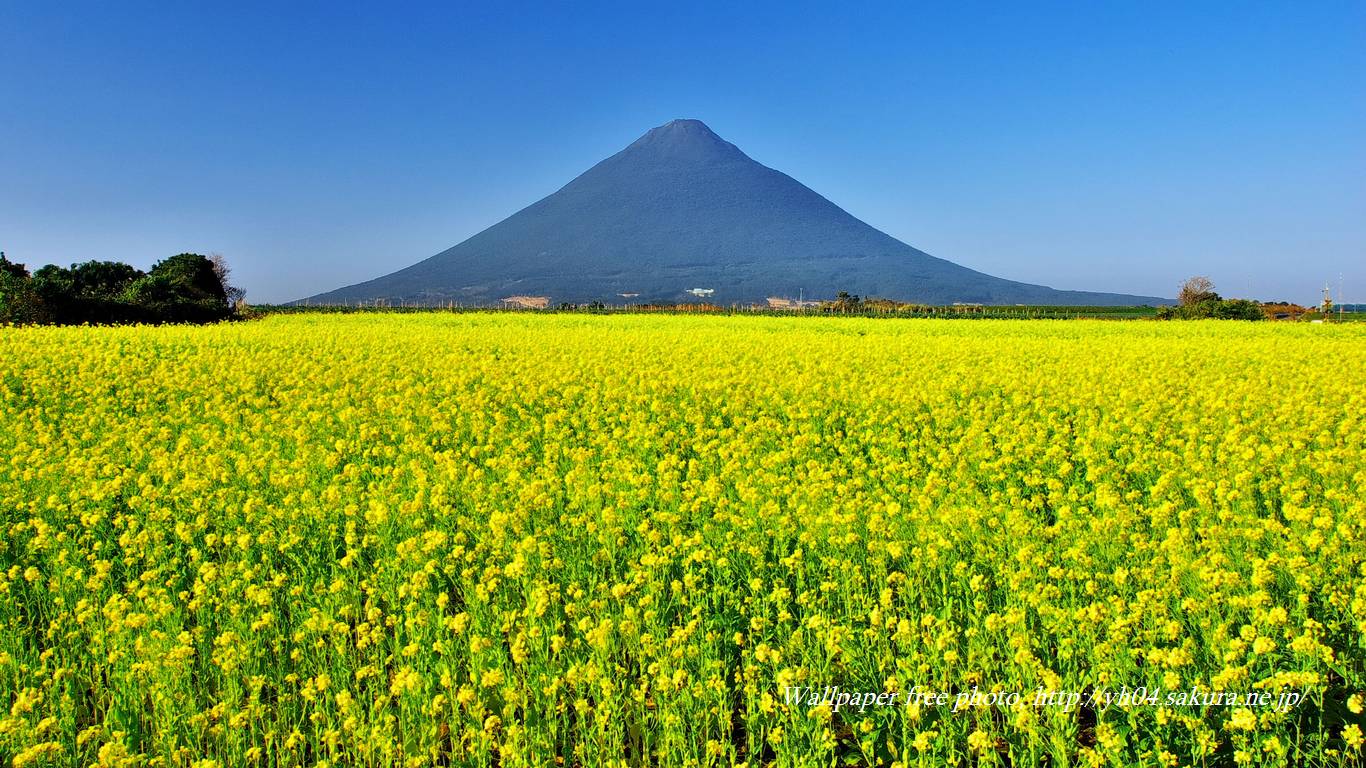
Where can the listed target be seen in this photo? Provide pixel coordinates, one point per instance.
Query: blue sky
(1101, 146)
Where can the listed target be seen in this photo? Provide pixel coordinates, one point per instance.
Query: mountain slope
(681, 209)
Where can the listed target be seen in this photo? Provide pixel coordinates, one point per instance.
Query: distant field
(493, 539)
(1018, 312)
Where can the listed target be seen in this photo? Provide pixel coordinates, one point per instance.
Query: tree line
(1198, 301)
(185, 288)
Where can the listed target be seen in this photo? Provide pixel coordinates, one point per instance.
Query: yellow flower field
(508, 539)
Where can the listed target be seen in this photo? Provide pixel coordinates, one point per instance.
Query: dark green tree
(56, 287)
(8, 267)
(1239, 309)
(103, 279)
(181, 289)
(89, 292)
(19, 303)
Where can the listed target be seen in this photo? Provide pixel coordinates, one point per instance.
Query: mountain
(682, 213)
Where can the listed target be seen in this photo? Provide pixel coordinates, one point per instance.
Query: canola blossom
(525, 540)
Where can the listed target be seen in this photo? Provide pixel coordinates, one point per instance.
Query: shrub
(1219, 309)
(186, 288)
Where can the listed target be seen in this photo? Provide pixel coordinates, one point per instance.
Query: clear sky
(1086, 145)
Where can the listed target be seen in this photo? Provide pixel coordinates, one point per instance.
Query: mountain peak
(685, 125)
(685, 136)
